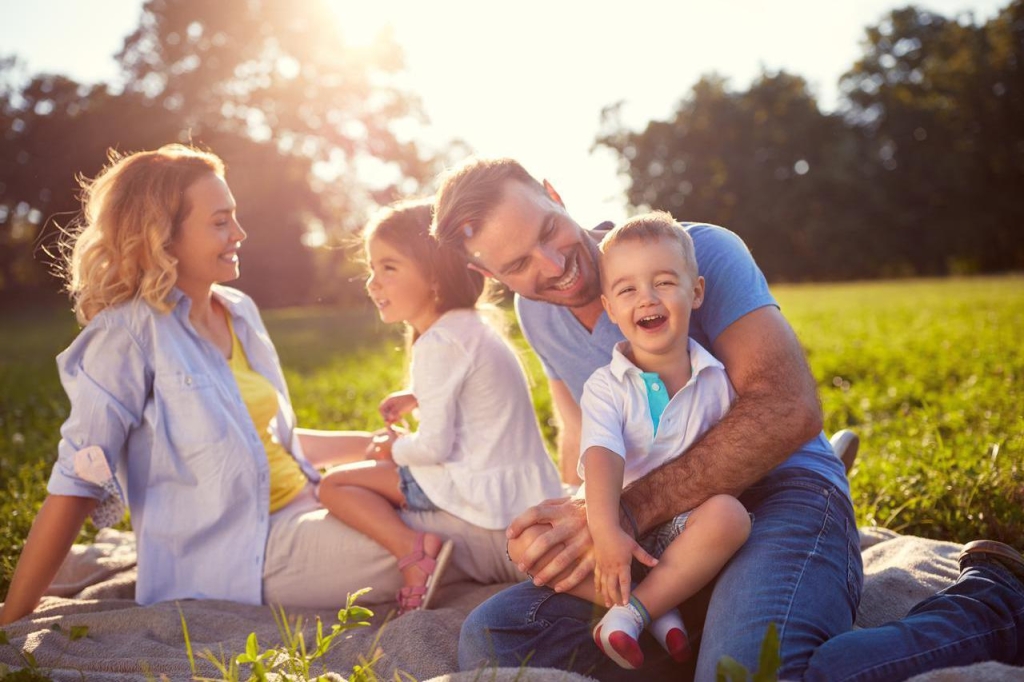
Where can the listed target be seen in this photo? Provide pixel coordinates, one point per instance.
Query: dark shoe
(845, 443)
(991, 550)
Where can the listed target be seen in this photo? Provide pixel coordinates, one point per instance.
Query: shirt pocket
(192, 410)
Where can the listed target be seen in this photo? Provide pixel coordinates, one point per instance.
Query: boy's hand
(397, 404)
(614, 553)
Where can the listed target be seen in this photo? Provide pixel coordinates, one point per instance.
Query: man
(800, 568)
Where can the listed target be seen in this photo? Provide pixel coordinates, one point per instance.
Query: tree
(941, 104)
(765, 162)
(305, 122)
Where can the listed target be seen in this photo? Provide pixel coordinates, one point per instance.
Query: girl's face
(398, 287)
(208, 240)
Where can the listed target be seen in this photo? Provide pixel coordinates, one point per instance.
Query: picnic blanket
(125, 641)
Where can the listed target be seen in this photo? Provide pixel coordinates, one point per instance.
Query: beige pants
(313, 560)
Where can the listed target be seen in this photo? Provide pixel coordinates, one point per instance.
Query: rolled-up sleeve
(602, 418)
(105, 376)
(439, 367)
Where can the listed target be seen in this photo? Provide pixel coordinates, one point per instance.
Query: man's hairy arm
(776, 411)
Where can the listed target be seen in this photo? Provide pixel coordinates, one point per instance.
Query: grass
(929, 372)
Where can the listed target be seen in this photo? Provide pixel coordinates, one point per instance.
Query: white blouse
(478, 452)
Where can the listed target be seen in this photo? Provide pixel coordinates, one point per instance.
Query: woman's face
(208, 240)
(398, 287)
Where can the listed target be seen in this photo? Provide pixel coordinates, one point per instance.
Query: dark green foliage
(918, 173)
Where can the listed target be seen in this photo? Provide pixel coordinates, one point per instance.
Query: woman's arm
(54, 530)
(329, 448)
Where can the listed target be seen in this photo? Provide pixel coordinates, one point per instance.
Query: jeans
(800, 569)
(978, 618)
(415, 498)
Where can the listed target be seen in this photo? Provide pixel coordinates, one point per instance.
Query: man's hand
(613, 555)
(565, 551)
(397, 404)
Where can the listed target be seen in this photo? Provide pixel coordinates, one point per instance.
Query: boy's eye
(625, 290)
(665, 283)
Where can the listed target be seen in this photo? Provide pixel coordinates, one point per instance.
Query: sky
(529, 79)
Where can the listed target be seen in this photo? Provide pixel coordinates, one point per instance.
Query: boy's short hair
(648, 227)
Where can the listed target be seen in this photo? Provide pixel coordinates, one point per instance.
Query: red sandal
(416, 597)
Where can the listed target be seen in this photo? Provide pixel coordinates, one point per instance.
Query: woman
(179, 410)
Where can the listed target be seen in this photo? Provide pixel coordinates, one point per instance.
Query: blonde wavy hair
(117, 250)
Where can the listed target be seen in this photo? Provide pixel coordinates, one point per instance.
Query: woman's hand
(397, 404)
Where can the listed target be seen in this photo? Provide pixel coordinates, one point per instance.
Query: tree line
(920, 170)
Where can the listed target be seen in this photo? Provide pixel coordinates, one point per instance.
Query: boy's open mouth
(651, 321)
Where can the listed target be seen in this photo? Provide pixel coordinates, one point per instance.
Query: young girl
(478, 452)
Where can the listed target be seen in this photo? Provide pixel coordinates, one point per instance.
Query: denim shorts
(415, 498)
(657, 540)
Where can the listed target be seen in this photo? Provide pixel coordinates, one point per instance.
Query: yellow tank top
(286, 477)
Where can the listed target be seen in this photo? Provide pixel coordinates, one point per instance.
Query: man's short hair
(469, 193)
(649, 227)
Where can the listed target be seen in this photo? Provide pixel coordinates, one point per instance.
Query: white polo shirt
(617, 412)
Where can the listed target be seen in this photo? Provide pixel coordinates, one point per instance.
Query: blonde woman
(179, 410)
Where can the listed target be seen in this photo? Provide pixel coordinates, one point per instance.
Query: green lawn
(930, 373)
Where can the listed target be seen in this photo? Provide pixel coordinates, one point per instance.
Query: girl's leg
(365, 496)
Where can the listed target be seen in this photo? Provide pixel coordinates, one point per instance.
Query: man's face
(531, 245)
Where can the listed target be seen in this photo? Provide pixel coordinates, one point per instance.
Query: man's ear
(553, 194)
(483, 271)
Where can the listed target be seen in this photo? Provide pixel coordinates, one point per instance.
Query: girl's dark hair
(405, 225)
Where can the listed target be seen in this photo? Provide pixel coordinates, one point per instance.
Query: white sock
(671, 634)
(626, 619)
(617, 633)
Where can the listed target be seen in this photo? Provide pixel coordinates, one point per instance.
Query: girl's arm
(54, 530)
(329, 448)
(396, 405)
(439, 368)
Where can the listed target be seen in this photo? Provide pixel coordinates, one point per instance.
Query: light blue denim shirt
(163, 405)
